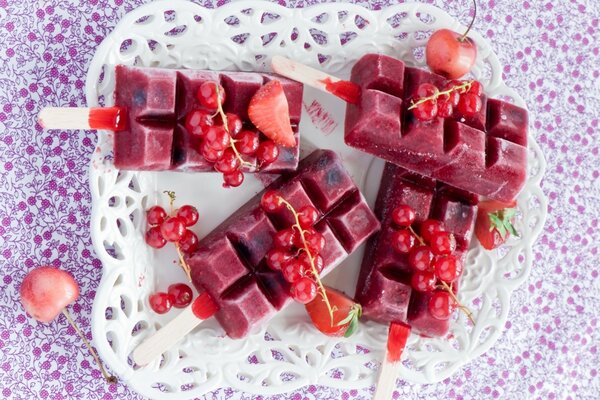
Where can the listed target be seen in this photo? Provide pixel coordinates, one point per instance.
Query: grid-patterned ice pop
(485, 154)
(157, 102)
(230, 263)
(384, 284)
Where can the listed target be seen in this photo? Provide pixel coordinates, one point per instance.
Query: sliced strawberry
(345, 315)
(269, 112)
(494, 223)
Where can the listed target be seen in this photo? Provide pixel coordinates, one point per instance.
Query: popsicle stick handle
(397, 336)
(109, 118)
(201, 309)
(346, 90)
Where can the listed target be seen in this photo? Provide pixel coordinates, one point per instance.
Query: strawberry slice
(345, 316)
(494, 223)
(269, 112)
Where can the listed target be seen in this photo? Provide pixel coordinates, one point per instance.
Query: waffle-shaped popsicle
(485, 154)
(157, 102)
(230, 262)
(384, 284)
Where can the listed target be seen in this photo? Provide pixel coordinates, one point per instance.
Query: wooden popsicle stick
(386, 383)
(201, 309)
(345, 90)
(109, 118)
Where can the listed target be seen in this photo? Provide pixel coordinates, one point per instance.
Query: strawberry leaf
(352, 327)
(501, 221)
(346, 320)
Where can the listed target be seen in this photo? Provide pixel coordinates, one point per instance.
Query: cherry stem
(464, 309)
(108, 378)
(221, 112)
(464, 36)
(463, 88)
(184, 266)
(310, 257)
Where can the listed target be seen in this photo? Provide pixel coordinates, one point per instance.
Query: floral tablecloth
(550, 53)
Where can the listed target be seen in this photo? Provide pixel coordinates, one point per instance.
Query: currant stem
(464, 36)
(310, 258)
(419, 238)
(464, 87)
(221, 112)
(108, 378)
(464, 309)
(184, 265)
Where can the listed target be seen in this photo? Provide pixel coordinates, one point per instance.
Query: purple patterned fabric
(549, 349)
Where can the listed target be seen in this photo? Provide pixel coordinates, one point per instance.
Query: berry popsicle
(384, 284)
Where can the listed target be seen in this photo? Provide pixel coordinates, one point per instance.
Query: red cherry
(304, 290)
(210, 154)
(188, 242)
(154, 237)
(442, 243)
(267, 152)
(189, 215)
(469, 104)
(156, 215)
(445, 109)
(172, 229)
(46, 291)
(476, 88)
(207, 94)
(423, 281)
(429, 227)
(314, 241)
(228, 163)
(307, 216)
(276, 259)
(233, 179)
(247, 142)
(446, 268)
(293, 271)
(426, 111)
(271, 201)
(420, 258)
(448, 55)
(217, 138)
(402, 241)
(182, 294)
(197, 122)
(161, 302)
(441, 305)
(285, 238)
(403, 215)
(234, 124)
(426, 90)
(318, 262)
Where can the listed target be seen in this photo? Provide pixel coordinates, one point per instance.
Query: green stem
(464, 88)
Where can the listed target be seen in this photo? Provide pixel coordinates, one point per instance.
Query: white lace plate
(243, 36)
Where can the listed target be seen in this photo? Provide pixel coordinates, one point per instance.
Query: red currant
(317, 260)
(271, 201)
(304, 290)
(210, 154)
(426, 110)
(233, 179)
(276, 259)
(217, 138)
(427, 90)
(247, 142)
(188, 214)
(403, 215)
(156, 215)
(429, 227)
(182, 294)
(189, 242)
(172, 229)
(234, 124)
(197, 122)
(469, 104)
(154, 238)
(452, 97)
(285, 238)
(293, 271)
(476, 88)
(314, 241)
(267, 152)
(445, 268)
(402, 241)
(161, 302)
(307, 216)
(423, 281)
(207, 94)
(228, 163)
(442, 243)
(420, 258)
(440, 305)
(445, 109)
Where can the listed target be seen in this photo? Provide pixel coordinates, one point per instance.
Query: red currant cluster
(430, 254)
(224, 142)
(430, 102)
(178, 295)
(296, 249)
(173, 228)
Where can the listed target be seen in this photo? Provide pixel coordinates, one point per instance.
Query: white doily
(243, 36)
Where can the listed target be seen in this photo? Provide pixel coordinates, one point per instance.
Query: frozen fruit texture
(384, 287)
(485, 154)
(158, 101)
(230, 263)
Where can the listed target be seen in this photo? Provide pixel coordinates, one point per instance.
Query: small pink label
(321, 118)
